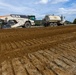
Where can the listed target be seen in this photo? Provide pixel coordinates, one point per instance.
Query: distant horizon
(39, 8)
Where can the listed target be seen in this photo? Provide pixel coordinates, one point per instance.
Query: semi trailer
(52, 20)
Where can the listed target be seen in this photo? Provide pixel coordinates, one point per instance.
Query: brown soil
(38, 51)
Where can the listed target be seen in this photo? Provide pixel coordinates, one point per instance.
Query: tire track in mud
(38, 51)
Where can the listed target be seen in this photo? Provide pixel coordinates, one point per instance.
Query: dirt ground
(38, 51)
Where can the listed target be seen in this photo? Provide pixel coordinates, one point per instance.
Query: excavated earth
(38, 51)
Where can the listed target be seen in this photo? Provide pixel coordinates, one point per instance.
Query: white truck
(52, 20)
(14, 21)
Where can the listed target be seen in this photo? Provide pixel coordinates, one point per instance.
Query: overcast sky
(39, 8)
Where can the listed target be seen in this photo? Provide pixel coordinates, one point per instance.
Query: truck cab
(32, 17)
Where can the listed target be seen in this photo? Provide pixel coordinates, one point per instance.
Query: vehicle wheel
(52, 24)
(27, 25)
(55, 24)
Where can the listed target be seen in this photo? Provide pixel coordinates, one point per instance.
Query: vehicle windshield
(32, 18)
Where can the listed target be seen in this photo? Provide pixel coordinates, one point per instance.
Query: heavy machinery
(52, 20)
(14, 21)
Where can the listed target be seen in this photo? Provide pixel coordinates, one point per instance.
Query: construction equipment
(52, 20)
(14, 21)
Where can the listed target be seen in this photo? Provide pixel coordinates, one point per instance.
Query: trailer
(52, 20)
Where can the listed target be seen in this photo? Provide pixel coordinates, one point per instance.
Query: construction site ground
(38, 51)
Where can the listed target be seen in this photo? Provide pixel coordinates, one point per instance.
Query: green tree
(68, 22)
(38, 22)
(74, 22)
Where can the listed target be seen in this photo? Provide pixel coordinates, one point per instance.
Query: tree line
(68, 22)
(74, 22)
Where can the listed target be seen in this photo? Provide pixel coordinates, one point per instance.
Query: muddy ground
(38, 51)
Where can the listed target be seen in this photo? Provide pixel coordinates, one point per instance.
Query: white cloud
(42, 2)
(51, 1)
(58, 1)
(14, 8)
(67, 11)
